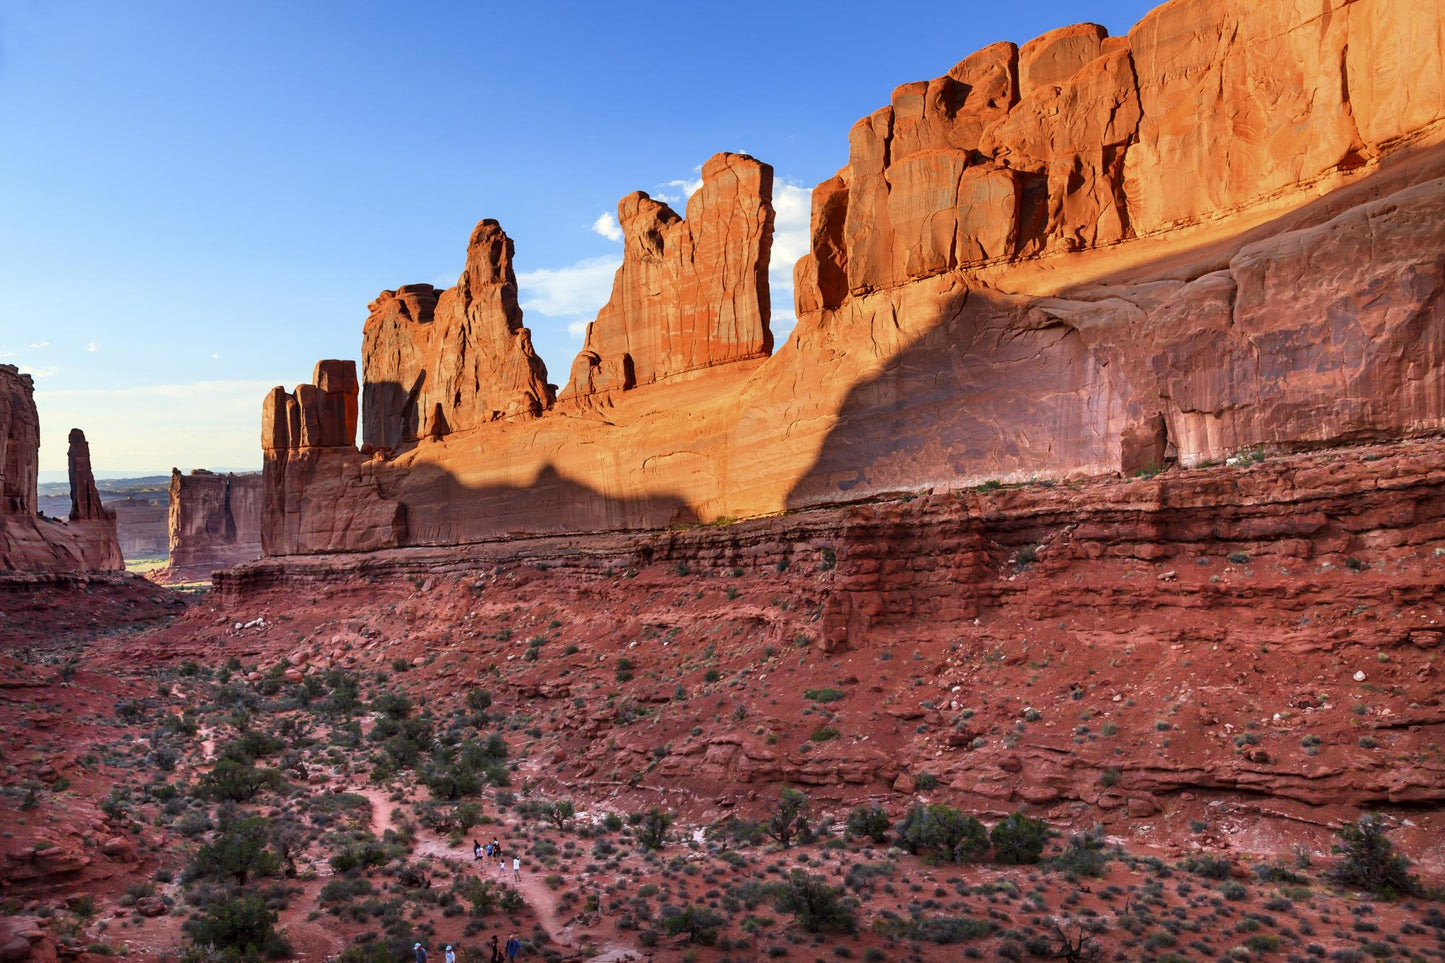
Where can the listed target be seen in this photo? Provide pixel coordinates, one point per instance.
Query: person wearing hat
(451, 957)
(420, 952)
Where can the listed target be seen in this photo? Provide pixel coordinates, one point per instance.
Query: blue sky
(198, 199)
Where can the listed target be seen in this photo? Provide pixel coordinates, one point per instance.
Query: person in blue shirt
(514, 946)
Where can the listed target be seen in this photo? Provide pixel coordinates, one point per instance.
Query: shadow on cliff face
(457, 512)
(1297, 332)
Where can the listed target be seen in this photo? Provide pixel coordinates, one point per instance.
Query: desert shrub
(479, 700)
(251, 745)
(869, 821)
(236, 781)
(651, 827)
(238, 851)
(823, 695)
(934, 929)
(1368, 861)
(1210, 867)
(698, 923)
(1085, 855)
(814, 904)
(788, 818)
(239, 929)
(944, 834)
(1018, 839)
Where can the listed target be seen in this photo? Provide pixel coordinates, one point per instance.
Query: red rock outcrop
(32, 543)
(317, 492)
(1086, 255)
(691, 292)
(214, 521)
(437, 362)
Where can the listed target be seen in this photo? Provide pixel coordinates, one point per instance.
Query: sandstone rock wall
(437, 362)
(214, 521)
(31, 543)
(1085, 255)
(691, 293)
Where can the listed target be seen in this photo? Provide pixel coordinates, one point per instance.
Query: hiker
(496, 848)
(514, 946)
(420, 952)
(496, 950)
(451, 957)
(476, 850)
(502, 868)
(517, 866)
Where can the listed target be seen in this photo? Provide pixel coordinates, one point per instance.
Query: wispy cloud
(38, 373)
(40, 345)
(578, 329)
(92, 347)
(215, 356)
(607, 226)
(569, 293)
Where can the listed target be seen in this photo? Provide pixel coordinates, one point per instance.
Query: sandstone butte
(32, 543)
(1082, 256)
(213, 521)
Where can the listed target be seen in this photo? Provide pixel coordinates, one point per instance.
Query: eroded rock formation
(1085, 255)
(29, 542)
(437, 362)
(214, 521)
(691, 293)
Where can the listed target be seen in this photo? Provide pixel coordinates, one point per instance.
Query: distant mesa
(1079, 256)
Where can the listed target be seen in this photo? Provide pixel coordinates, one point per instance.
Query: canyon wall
(30, 542)
(1081, 256)
(214, 521)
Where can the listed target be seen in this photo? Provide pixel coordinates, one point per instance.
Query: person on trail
(517, 866)
(476, 850)
(420, 952)
(496, 950)
(496, 847)
(514, 946)
(502, 868)
(488, 850)
(451, 957)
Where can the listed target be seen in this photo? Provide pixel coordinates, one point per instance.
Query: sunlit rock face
(1079, 256)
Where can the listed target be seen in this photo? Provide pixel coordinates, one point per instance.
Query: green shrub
(814, 904)
(869, 821)
(698, 923)
(652, 827)
(239, 929)
(788, 818)
(236, 781)
(823, 695)
(238, 851)
(1368, 861)
(944, 834)
(1018, 839)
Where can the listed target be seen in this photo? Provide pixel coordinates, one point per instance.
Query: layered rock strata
(30, 542)
(1085, 255)
(214, 521)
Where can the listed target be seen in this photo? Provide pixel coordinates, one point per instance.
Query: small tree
(788, 818)
(241, 929)
(1368, 861)
(238, 850)
(652, 827)
(699, 923)
(943, 834)
(869, 821)
(561, 812)
(1019, 839)
(814, 904)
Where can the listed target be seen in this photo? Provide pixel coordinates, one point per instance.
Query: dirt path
(539, 897)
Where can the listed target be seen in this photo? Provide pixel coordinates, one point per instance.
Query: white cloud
(607, 226)
(92, 347)
(215, 356)
(6, 352)
(689, 187)
(578, 329)
(792, 210)
(41, 346)
(569, 292)
(38, 373)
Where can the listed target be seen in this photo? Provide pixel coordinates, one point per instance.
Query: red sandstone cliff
(437, 362)
(1085, 255)
(691, 293)
(214, 521)
(28, 541)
